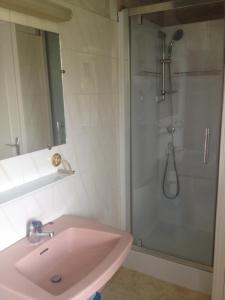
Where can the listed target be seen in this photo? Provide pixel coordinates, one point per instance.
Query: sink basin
(71, 255)
(76, 263)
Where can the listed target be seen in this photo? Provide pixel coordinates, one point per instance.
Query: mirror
(31, 92)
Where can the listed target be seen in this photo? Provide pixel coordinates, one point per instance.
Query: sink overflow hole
(45, 250)
(56, 278)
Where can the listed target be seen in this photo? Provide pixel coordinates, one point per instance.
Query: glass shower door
(176, 104)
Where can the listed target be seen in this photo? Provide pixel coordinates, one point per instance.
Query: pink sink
(76, 263)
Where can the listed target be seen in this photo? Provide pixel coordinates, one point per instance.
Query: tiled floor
(131, 285)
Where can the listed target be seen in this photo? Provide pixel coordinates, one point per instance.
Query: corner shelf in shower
(181, 74)
(198, 73)
(147, 73)
(32, 186)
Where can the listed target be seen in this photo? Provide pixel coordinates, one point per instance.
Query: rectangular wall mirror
(31, 92)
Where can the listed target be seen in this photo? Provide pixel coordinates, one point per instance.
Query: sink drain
(56, 278)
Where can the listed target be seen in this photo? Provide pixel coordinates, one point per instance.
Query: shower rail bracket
(165, 61)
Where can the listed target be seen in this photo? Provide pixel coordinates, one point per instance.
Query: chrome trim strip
(206, 146)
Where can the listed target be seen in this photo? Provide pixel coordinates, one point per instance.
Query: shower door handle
(206, 146)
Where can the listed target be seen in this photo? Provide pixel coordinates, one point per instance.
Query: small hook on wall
(57, 161)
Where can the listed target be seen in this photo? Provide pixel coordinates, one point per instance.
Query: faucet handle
(37, 225)
(34, 225)
(35, 231)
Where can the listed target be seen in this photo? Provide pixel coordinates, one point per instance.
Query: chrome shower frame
(172, 5)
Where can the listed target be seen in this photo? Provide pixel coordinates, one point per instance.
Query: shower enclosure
(177, 66)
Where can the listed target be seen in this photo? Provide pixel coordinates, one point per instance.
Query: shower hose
(170, 156)
(170, 148)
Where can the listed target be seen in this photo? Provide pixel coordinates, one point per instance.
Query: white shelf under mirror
(24, 189)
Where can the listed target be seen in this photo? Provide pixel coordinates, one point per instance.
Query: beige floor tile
(131, 285)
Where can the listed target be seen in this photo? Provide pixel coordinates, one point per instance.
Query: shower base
(181, 242)
(170, 269)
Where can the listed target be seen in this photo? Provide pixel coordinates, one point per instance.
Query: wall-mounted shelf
(198, 73)
(45, 9)
(147, 73)
(24, 189)
(181, 74)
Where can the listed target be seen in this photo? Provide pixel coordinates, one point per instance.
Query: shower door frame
(218, 290)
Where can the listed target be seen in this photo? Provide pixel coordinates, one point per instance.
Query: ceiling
(180, 16)
(134, 3)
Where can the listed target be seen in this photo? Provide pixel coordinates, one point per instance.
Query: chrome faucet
(35, 231)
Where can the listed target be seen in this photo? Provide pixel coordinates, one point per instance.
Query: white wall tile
(72, 37)
(7, 231)
(89, 56)
(90, 29)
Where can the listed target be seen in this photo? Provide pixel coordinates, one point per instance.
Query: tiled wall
(106, 8)
(90, 58)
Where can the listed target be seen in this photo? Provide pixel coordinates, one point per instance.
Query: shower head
(178, 34)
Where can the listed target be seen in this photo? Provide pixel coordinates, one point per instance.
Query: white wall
(90, 57)
(106, 8)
